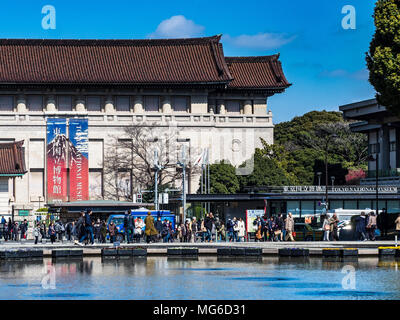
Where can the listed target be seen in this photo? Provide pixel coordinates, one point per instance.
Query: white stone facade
(231, 125)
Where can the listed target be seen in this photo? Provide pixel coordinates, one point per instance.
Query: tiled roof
(12, 158)
(257, 72)
(195, 60)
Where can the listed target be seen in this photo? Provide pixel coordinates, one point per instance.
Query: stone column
(166, 106)
(221, 107)
(80, 104)
(51, 103)
(260, 107)
(247, 107)
(109, 106)
(21, 104)
(138, 104)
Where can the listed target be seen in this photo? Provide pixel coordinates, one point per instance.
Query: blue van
(118, 220)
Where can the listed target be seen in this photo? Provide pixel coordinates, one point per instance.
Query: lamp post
(319, 178)
(327, 145)
(182, 163)
(376, 159)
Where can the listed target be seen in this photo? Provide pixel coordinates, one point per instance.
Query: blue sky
(325, 63)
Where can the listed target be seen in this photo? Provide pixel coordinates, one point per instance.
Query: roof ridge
(252, 58)
(115, 42)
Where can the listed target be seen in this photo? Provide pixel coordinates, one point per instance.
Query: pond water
(202, 278)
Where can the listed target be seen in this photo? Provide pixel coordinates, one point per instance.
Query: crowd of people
(208, 229)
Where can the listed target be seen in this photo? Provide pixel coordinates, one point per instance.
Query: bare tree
(130, 157)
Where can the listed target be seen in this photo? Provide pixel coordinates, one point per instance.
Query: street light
(333, 180)
(376, 159)
(319, 178)
(328, 143)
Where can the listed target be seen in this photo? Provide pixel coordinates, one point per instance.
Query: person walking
(52, 232)
(289, 227)
(279, 227)
(88, 229)
(15, 231)
(80, 227)
(242, 230)
(158, 226)
(229, 228)
(43, 230)
(258, 226)
(235, 230)
(129, 226)
(23, 229)
(195, 229)
(360, 227)
(166, 231)
(150, 231)
(208, 224)
(103, 232)
(139, 225)
(334, 227)
(36, 232)
(188, 229)
(221, 233)
(112, 230)
(371, 226)
(69, 230)
(96, 230)
(326, 227)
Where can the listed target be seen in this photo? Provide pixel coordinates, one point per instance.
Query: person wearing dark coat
(208, 223)
(158, 225)
(361, 223)
(129, 226)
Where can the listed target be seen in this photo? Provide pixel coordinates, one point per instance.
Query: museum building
(51, 89)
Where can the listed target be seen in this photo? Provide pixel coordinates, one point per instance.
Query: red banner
(56, 160)
(78, 160)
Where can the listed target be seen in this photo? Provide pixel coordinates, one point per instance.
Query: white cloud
(177, 27)
(362, 74)
(262, 41)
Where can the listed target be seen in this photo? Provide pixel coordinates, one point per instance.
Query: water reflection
(201, 278)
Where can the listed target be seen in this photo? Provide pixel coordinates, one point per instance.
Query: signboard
(339, 189)
(252, 215)
(56, 158)
(78, 160)
(23, 212)
(163, 198)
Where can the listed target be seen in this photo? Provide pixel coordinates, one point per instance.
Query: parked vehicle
(118, 220)
(304, 232)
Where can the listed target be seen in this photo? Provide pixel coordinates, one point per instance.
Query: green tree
(268, 171)
(383, 59)
(223, 178)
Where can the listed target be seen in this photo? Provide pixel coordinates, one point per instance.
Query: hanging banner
(78, 160)
(56, 150)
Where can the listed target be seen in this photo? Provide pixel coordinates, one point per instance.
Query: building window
(34, 102)
(393, 146)
(373, 148)
(122, 103)
(36, 184)
(6, 103)
(151, 103)
(181, 104)
(294, 208)
(93, 103)
(95, 184)
(307, 208)
(233, 106)
(64, 103)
